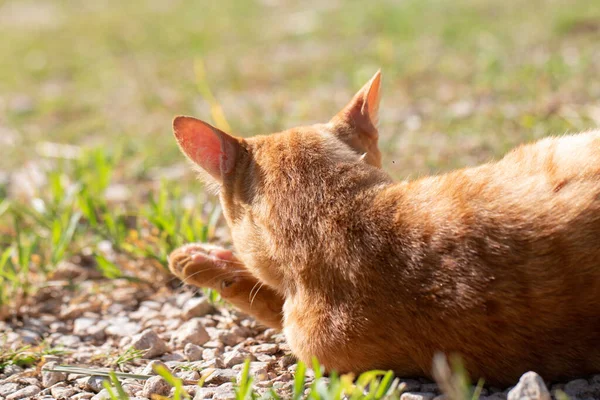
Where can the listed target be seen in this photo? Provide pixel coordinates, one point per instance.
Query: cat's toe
(195, 248)
(177, 261)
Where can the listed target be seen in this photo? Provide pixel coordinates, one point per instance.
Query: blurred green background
(88, 90)
(464, 80)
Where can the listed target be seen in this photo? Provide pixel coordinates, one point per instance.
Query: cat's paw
(205, 265)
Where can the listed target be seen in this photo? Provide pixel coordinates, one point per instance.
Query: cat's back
(558, 160)
(510, 250)
(551, 182)
(557, 175)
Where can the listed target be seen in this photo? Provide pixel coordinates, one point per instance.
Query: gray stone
(173, 357)
(102, 395)
(52, 378)
(576, 388)
(204, 393)
(193, 352)
(209, 354)
(258, 370)
(580, 389)
(132, 388)
(68, 341)
(224, 392)
(81, 325)
(8, 388)
(264, 357)
(62, 392)
(92, 383)
(83, 396)
(189, 375)
(235, 357)
(190, 332)
(150, 341)
(149, 369)
(531, 386)
(229, 338)
(430, 388)
(151, 304)
(26, 393)
(156, 385)
(417, 396)
(196, 307)
(214, 363)
(214, 344)
(266, 348)
(220, 376)
(30, 337)
(411, 385)
(12, 369)
(122, 326)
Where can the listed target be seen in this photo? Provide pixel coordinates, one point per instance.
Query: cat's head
(270, 186)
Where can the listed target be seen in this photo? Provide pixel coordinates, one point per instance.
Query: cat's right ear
(206, 146)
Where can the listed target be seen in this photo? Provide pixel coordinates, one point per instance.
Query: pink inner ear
(201, 143)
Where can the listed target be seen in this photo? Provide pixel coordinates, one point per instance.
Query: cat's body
(499, 263)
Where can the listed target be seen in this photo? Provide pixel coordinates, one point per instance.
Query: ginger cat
(499, 263)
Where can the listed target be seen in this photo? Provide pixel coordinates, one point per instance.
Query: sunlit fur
(499, 263)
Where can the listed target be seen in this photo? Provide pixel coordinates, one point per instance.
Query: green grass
(88, 92)
(371, 385)
(26, 356)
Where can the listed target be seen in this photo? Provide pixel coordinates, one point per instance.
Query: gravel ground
(101, 320)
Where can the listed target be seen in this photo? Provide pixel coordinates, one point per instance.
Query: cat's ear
(208, 147)
(362, 112)
(356, 124)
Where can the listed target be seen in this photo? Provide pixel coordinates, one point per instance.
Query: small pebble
(149, 368)
(25, 393)
(220, 376)
(531, 386)
(83, 396)
(190, 332)
(209, 354)
(156, 385)
(236, 357)
(93, 383)
(149, 341)
(577, 388)
(205, 393)
(62, 392)
(102, 395)
(51, 378)
(12, 369)
(196, 307)
(417, 396)
(8, 388)
(225, 392)
(193, 352)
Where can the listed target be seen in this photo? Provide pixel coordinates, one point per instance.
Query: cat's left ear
(356, 124)
(211, 149)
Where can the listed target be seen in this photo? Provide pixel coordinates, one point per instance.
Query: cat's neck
(359, 215)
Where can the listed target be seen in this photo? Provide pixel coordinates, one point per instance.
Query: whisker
(252, 301)
(251, 290)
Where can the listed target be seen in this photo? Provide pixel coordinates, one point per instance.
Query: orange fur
(499, 263)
